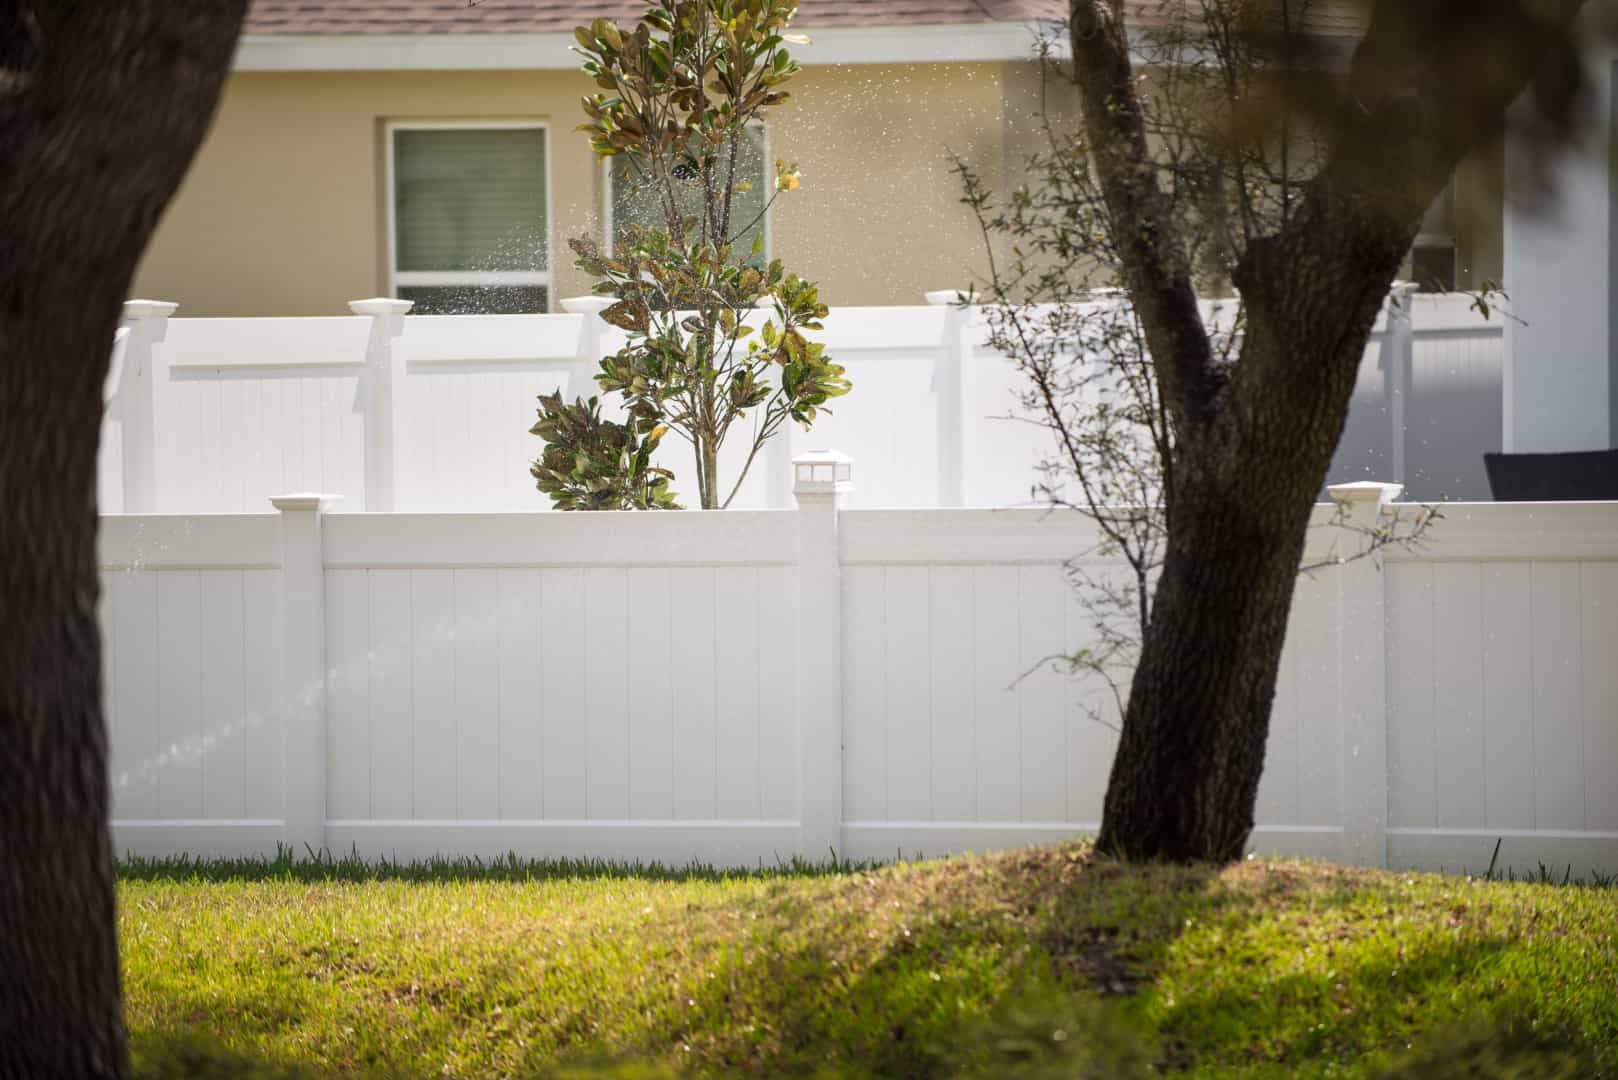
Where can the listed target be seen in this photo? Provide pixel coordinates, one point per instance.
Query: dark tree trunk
(1253, 440)
(102, 106)
(1184, 783)
(1185, 779)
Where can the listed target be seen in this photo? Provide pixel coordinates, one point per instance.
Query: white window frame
(606, 195)
(1435, 240)
(420, 278)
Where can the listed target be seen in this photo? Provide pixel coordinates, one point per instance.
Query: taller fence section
(744, 686)
(431, 414)
(1430, 399)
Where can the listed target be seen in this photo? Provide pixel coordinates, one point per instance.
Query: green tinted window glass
(469, 199)
(634, 201)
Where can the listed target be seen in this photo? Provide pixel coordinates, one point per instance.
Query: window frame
(769, 217)
(428, 278)
(1433, 240)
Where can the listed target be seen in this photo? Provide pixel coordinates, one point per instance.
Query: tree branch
(1155, 267)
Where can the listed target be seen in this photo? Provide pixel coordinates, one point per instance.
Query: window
(630, 200)
(469, 217)
(1432, 256)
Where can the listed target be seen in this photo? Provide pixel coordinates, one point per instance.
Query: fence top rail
(220, 344)
(540, 539)
(302, 341)
(1465, 531)
(1515, 531)
(189, 541)
(448, 339)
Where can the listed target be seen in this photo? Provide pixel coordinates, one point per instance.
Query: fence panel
(466, 399)
(1429, 403)
(190, 621)
(515, 682)
(1503, 709)
(433, 412)
(246, 408)
(743, 686)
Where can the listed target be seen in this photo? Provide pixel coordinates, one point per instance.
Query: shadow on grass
(1040, 964)
(950, 973)
(1061, 979)
(192, 1055)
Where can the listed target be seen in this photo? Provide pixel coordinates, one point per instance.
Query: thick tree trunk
(1253, 440)
(102, 106)
(59, 1000)
(1184, 783)
(1185, 778)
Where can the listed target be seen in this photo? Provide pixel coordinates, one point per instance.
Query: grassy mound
(1038, 963)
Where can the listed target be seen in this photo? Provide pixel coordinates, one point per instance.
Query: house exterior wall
(1561, 373)
(284, 211)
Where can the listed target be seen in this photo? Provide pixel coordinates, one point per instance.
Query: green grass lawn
(1039, 963)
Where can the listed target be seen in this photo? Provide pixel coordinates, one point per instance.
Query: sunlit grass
(1264, 969)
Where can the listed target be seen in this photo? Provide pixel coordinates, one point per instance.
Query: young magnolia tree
(1227, 142)
(678, 93)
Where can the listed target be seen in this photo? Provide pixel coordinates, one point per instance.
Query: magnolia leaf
(626, 316)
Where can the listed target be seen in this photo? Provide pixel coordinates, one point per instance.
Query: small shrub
(591, 463)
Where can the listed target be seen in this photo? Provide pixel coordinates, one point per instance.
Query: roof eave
(554, 51)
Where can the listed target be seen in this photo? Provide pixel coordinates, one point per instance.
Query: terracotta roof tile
(550, 16)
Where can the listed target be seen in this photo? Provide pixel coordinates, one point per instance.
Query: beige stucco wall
(283, 212)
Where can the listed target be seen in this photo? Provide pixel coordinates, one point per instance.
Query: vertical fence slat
(1363, 681)
(820, 483)
(303, 668)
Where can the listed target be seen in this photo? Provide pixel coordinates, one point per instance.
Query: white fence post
(820, 480)
(1363, 704)
(1401, 338)
(387, 323)
(147, 322)
(303, 668)
(778, 468)
(581, 377)
(951, 383)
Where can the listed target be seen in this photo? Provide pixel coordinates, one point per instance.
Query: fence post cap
(381, 305)
(586, 305)
(136, 310)
(1365, 491)
(950, 297)
(822, 472)
(1401, 298)
(1360, 503)
(304, 500)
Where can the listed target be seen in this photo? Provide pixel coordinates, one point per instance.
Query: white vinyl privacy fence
(743, 686)
(431, 413)
(1430, 401)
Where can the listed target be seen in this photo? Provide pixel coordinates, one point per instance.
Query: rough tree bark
(102, 105)
(1254, 439)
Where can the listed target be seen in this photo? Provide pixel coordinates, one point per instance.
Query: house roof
(344, 17)
(471, 35)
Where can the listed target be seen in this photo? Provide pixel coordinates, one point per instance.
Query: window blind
(469, 199)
